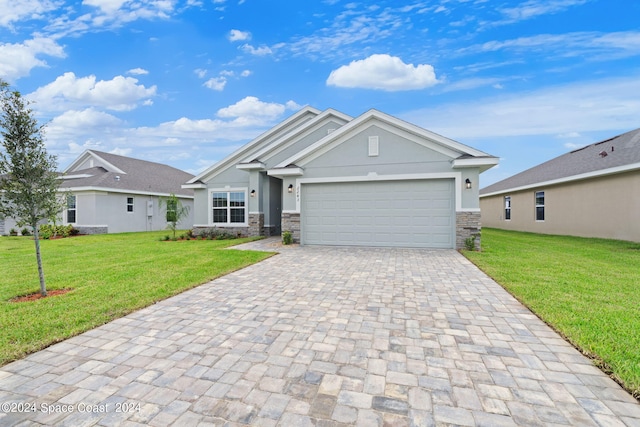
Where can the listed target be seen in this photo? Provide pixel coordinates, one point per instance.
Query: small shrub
(470, 243)
(287, 238)
(25, 231)
(48, 231)
(215, 234)
(13, 232)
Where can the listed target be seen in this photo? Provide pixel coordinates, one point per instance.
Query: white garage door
(417, 214)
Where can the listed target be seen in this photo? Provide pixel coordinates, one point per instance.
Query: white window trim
(132, 204)
(228, 190)
(75, 210)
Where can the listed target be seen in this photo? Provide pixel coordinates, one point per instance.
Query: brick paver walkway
(324, 337)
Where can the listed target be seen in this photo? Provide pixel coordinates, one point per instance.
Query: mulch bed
(38, 295)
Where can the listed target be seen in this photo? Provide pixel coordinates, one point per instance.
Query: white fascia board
(121, 191)
(260, 139)
(81, 175)
(483, 163)
(299, 133)
(579, 177)
(194, 186)
(251, 166)
(285, 172)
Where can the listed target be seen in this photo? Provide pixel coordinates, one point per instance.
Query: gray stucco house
(332, 179)
(114, 194)
(593, 191)
(107, 193)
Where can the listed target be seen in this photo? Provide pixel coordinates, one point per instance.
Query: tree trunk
(36, 239)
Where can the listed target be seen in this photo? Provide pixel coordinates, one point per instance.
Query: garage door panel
(391, 213)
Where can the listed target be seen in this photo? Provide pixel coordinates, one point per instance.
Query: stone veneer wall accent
(256, 224)
(467, 225)
(91, 230)
(291, 222)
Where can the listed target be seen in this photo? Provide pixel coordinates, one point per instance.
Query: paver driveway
(321, 336)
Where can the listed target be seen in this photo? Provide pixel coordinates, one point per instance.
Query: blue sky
(186, 82)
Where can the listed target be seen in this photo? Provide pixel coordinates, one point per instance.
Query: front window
(229, 207)
(71, 209)
(539, 205)
(507, 208)
(129, 204)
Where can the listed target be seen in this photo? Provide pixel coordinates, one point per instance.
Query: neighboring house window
(539, 205)
(71, 209)
(172, 208)
(129, 204)
(229, 207)
(507, 208)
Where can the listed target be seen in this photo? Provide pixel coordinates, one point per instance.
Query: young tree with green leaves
(176, 211)
(28, 179)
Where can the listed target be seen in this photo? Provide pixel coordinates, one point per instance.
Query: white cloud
(68, 91)
(237, 35)
(598, 105)
(138, 71)
(597, 45)
(251, 110)
(17, 60)
(533, 8)
(109, 14)
(383, 72)
(19, 10)
(216, 83)
(77, 130)
(346, 33)
(84, 119)
(257, 51)
(200, 72)
(107, 6)
(245, 73)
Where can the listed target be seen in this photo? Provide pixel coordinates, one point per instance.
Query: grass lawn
(587, 289)
(111, 275)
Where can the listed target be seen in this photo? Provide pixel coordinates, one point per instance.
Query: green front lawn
(111, 275)
(587, 289)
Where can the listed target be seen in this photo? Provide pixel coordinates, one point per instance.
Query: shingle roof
(618, 153)
(138, 176)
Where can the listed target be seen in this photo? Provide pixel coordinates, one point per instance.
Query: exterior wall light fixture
(468, 183)
(290, 188)
(253, 193)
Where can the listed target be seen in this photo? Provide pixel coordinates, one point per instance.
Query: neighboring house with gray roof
(107, 193)
(593, 191)
(331, 179)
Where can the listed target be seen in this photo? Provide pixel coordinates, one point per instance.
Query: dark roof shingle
(615, 152)
(138, 176)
